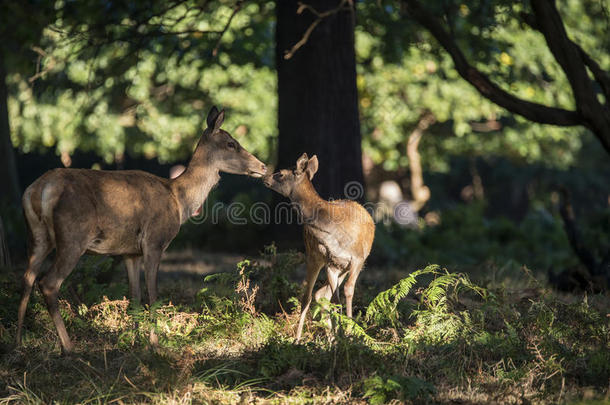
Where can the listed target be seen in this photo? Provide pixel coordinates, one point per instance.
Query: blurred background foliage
(403, 73)
(147, 96)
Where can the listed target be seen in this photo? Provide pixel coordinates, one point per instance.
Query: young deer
(129, 213)
(338, 234)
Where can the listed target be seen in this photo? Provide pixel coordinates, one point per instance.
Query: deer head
(226, 154)
(287, 180)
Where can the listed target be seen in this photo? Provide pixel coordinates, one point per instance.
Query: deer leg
(327, 291)
(313, 269)
(40, 251)
(151, 267)
(50, 284)
(350, 284)
(151, 261)
(132, 263)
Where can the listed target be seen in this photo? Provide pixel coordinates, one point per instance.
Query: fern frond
(436, 291)
(353, 328)
(220, 277)
(385, 304)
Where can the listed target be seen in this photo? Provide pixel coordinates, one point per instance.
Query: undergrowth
(435, 336)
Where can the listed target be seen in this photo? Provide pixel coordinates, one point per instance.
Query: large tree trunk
(10, 191)
(318, 99)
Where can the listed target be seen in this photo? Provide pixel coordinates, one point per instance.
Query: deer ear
(312, 166)
(212, 117)
(302, 163)
(220, 118)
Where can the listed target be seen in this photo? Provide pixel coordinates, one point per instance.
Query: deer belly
(116, 242)
(331, 250)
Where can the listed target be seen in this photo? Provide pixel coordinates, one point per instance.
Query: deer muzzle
(257, 170)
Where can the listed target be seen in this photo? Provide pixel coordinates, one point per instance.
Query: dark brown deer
(338, 234)
(130, 213)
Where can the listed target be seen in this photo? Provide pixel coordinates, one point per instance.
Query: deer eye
(231, 145)
(278, 176)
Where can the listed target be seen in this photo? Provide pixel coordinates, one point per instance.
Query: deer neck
(308, 201)
(192, 187)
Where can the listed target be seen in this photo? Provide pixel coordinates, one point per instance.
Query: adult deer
(130, 213)
(338, 234)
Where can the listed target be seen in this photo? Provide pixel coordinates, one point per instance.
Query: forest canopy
(140, 82)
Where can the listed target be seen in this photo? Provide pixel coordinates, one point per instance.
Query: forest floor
(226, 329)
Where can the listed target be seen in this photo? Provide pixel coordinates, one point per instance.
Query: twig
(129, 381)
(343, 5)
(226, 27)
(303, 40)
(39, 73)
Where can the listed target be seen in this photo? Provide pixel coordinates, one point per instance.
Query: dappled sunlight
(304, 201)
(235, 341)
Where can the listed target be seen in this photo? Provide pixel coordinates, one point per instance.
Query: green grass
(433, 336)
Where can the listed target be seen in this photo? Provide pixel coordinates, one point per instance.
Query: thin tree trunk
(597, 271)
(419, 191)
(5, 257)
(477, 183)
(569, 222)
(10, 191)
(318, 99)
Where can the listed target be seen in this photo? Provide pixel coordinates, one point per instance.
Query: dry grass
(228, 344)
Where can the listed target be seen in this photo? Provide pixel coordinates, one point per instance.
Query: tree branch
(343, 5)
(549, 23)
(141, 28)
(567, 54)
(226, 27)
(532, 111)
(601, 76)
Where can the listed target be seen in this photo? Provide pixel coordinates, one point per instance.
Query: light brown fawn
(338, 234)
(130, 213)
